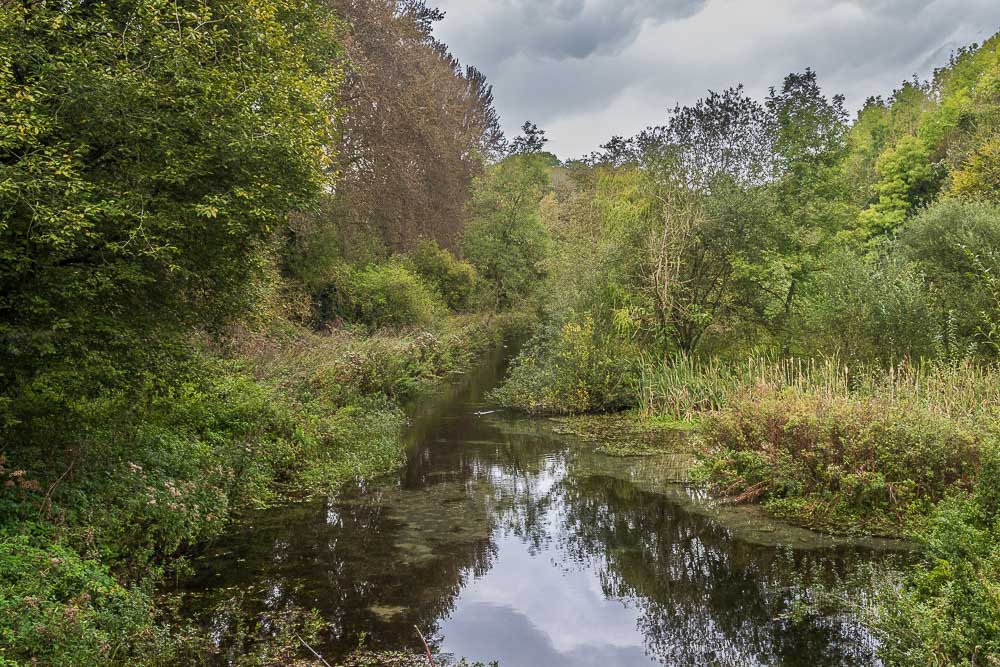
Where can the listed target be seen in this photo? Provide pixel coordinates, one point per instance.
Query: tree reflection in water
(502, 539)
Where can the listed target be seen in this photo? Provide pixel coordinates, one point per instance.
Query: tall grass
(683, 387)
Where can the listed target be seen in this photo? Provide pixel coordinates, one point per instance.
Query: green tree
(810, 143)
(506, 240)
(150, 151)
(532, 140)
(906, 181)
(956, 246)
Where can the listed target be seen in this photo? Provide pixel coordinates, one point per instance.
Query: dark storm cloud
(587, 69)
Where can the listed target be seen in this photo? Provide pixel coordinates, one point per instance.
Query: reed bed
(684, 388)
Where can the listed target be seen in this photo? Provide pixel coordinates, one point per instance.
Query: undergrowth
(102, 492)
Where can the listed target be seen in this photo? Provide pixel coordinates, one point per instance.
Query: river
(504, 539)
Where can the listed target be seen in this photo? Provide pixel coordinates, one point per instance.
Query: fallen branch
(312, 650)
(427, 648)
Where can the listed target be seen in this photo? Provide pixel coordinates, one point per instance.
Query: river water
(503, 539)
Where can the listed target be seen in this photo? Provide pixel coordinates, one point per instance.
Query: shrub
(453, 279)
(380, 295)
(872, 465)
(571, 370)
(868, 308)
(58, 608)
(956, 245)
(947, 610)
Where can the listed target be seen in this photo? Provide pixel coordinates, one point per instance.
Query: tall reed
(683, 387)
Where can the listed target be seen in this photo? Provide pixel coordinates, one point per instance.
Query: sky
(585, 70)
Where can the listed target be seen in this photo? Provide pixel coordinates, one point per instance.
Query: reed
(685, 388)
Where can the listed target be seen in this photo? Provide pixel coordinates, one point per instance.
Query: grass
(684, 388)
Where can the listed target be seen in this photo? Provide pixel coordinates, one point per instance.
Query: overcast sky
(585, 70)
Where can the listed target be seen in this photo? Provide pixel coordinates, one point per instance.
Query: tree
(149, 151)
(725, 136)
(906, 181)
(415, 131)
(506, 240)
(707, 169)
(532, 140)
(809, 133)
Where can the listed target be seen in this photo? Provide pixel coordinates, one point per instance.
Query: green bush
(570, 370)
(956, 245)
(58, 608)
(868, 308)
(452, 278)
(947, 610)
(380, 295)
(866, 465)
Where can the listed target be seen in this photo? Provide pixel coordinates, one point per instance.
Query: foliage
(979, 177)
(907, 181)
(382, 295)
(415, 132)
(452, 278)
(506, 241)
(956, 246)
(149, 153)
(948, 611)
(868, 307)
(59, 608)
(871, 466)
(574, 371)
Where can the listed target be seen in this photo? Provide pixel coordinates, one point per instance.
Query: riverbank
(259, 415)
(906, 452)
(498, 522)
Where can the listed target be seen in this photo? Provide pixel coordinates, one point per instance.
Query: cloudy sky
(585, 70)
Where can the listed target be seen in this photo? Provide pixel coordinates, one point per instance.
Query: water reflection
(504, 540)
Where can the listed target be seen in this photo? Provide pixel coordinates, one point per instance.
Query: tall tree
(707, 168)
(415, 131)
(531, 140)
(810, 143)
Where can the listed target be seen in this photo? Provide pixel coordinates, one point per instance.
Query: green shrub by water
(946, 611)
(863, 465)
(380, 295)
(453, 279)
(569, 371)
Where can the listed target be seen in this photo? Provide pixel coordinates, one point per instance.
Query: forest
(238, 237)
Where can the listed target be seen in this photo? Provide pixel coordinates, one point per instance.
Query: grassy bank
(148, 474)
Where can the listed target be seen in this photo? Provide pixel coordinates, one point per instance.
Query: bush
(868, 465)
(380, 295)
(506, 240)
(956, 245)
(868, 308)
(571, 370)
(58, 608)
(453, 279)
(947, 610)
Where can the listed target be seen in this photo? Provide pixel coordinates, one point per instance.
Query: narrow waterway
(505, 540)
